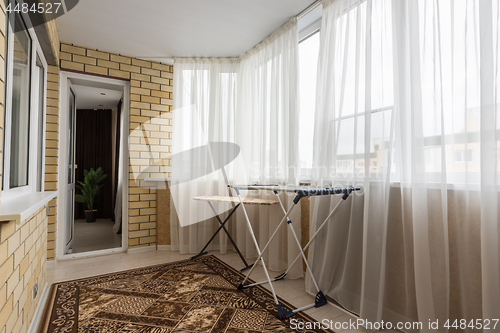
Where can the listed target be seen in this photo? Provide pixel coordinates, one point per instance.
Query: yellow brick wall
(23, 253)
(23, 247)
(51, 154)
(150, 97)
(3, 30)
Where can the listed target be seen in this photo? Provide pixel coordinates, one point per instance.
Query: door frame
(70, 187)
(65, 78)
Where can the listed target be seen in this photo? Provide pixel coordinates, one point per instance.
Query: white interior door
(70, 195)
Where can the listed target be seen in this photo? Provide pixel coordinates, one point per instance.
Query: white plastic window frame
(35, 175)
(305, 33)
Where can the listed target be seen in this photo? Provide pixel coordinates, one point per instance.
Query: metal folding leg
(250, 229)
(320, 299)
(283, 310)
(222, 226)
(312, 239)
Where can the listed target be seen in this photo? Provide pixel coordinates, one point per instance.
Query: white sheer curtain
(268, 111)
(407, 108)
(261, 116)
(204, 107)
(354, 107)
(267, 132)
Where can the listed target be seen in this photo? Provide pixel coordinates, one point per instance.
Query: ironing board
(239, 201)
(300, 192)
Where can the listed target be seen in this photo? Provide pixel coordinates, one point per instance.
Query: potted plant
(90, 187)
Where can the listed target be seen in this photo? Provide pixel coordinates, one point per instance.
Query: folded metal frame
(300, 192)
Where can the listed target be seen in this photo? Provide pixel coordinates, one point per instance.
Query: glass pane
(19, 149)
(308, 58)
(71, 137)
(380, 143)
(69, 218)
(41, 97)
(346, 147)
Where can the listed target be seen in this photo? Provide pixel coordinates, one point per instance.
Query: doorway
(93, 135)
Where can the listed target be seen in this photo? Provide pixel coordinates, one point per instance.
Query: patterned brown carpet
(186, 296)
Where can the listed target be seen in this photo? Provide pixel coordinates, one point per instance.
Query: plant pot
(90, 215)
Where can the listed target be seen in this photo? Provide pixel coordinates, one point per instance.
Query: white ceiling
(89, 94)
(162, 29)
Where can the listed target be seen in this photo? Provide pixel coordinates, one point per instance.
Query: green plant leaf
(79, 198)
(90, 187)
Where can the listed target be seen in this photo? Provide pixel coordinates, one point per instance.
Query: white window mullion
(8, 104)
(41, 136)
(33, 116)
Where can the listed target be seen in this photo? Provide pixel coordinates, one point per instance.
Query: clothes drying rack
(300, 192)
(222, 224)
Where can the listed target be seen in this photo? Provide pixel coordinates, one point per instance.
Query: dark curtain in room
(93, 150)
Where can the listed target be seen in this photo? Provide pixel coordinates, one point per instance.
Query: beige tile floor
(291, 290)
(95, 236)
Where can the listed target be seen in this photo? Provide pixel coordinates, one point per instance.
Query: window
(308, 63)
(344, 165)
(24, 109)
(19, 104)
(352, 117)
(434, 124)
(40, 81)
(463, 155)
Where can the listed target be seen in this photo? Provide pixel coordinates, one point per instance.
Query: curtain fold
(352, 146)
(407, 107)
(489, 29)
(204, 109)
(267, 131)
(251, 101)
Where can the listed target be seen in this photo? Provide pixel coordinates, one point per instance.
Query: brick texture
(23, 258)
(23, 247)
(150, 126)
(51, 154)
(3, 30)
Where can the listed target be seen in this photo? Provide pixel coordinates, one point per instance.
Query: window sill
(157, 179)
(23, 206)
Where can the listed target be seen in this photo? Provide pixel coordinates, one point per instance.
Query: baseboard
(389, 315)
(37, 317)
(164, 248)
(142, 249)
